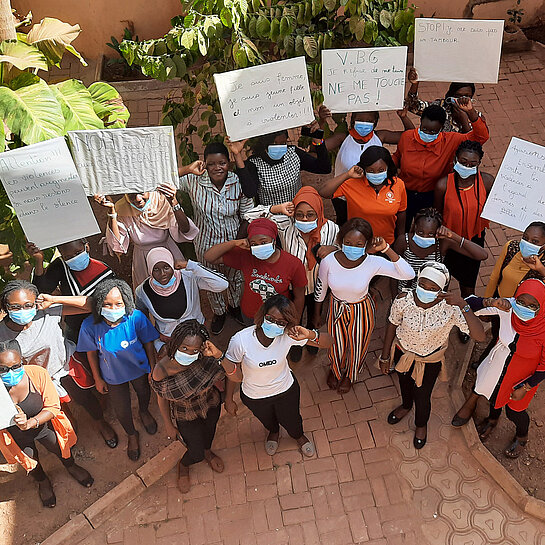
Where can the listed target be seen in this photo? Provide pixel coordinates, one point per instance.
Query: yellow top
(511, 276)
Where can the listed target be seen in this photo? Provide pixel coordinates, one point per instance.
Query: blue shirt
(121, 353)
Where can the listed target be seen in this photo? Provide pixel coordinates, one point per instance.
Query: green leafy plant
(220, 35)
(120, 61)
(32, 110)
(516, 14)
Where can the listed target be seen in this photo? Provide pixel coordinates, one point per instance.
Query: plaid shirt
(191, 392)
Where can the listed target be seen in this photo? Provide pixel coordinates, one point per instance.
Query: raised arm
(330, 187)
(215, 254)
(448, 240)
(319, 164)
(392, 137)
(71, 304)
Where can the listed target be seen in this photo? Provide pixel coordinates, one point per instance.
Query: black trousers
(84, 397)
(120, 396)
(341, 211)
(198, 435)
(278, 410)
(521, 419)
(420, 396)
(416, 200)
(309, 305)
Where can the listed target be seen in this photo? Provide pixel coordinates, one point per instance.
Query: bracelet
(37, 422)
(220, 359)
(232, 372)
(380, 358)
(114, 215)
(177, 207)
(317, 144)
(317, 335)
(385, 249)
(462, 242)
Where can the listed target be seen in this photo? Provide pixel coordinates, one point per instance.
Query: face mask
(264, 251)
(423, 242)
(277, 151)
(463, 171)
(363, 128)
(78, 262)
(425, 137)
(306, 226)
(13, 377)
(272, 330)
(113, 314)
(524, 313)
(23, 316)
(376, 178)
(528, 249)
(426, 296)
(169, 284)
(353, 252)
(185, 359)
(141, 209)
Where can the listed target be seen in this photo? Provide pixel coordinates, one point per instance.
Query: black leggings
(198, 435)
(420, 396)
(84, 397)
(309, 305)
(120, 396)
(521, 419)
(278, 410)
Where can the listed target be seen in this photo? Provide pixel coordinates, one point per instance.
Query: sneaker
(217, 324)
(236, 313)
(296, 353)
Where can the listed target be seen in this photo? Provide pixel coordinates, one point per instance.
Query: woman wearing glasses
(269, 389)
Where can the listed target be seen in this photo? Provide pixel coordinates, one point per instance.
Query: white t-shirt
(350, 153)
(265, 369)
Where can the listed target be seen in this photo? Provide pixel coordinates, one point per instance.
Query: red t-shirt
(262, 279)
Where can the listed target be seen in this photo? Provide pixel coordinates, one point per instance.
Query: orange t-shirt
(379, 209)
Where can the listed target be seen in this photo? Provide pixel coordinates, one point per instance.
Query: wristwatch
(467, 308)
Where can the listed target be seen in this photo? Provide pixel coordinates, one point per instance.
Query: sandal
(134, 454)
(271, 447)
(344, 386)
(214, 461)
(47, 495)
(112, 442)
(81, 475)
(484, 429)
(514, 450)
(393, 418)
(308, 449)
(183, 481)
(332, 381)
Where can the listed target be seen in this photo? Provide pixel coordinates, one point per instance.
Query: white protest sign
(7, 408)
(465, 50)
(517, 197)
(264, 99)
(366, 79)
(112, 161)
(43, 186)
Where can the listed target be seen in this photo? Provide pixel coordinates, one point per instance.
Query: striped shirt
(217, 211)
(292, 240)
(416, 263)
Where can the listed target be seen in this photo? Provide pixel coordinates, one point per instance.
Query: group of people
(268, 258)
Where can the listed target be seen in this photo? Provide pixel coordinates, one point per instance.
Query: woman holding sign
(39, 420)
(150, 219)
(272, 174)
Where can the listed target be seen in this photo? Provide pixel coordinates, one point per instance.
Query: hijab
(155, 256)
(535, 327)
(263, 226)
(158, 213)
(310, 196)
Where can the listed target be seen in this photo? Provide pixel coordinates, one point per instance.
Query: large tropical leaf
(53, 37)
(32, 113)
(77, 106)
(108, 105)
(22, 55)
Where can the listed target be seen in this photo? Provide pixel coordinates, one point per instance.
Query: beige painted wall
(100, 19)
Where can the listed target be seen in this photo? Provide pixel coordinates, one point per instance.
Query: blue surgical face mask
(141, 209)
(185, 359)
(264, 251)
(363, 128)
(423, 242)
(376, 178)
(426, 296)
(113, 314)
(78, 262)
(272, 330)
(463, 171)
(13, 377)
(524, 313)
(277, 151)
(528, 249)
(306, 226)
(425, 137)
(169, 284)
(23, 316)
(353, 252)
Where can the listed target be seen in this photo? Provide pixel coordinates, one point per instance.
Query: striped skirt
(351, 325)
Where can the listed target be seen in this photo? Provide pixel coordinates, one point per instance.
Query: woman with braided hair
(429, 240)
(189, 401)
(461, 196)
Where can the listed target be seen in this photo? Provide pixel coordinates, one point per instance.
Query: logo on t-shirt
(124, 344)
(390, 198)
(266, 363)
(262, 288)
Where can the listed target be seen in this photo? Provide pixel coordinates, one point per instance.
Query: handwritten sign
(45, 190)
(366, 79)
(517, 197)
(458, 49)
(115, 161)
(7, 408)
(264, 99)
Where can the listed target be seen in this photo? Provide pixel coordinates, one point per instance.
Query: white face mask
(185, 359)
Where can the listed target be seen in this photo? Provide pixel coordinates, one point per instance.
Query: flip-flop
(308, 449)
(515, 449)
(215, 463)
(271, 447)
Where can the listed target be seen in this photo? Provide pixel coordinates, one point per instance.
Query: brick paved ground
(367, 484)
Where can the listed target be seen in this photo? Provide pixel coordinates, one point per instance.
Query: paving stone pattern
(367, 483)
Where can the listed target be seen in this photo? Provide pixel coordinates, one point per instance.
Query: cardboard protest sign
(517, 197)
(364, 79)
(7, 408)
(458, 49)
(264, 99)
(112, 161)
(45, 190)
